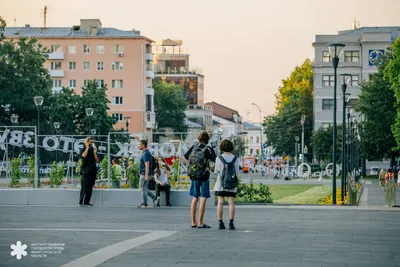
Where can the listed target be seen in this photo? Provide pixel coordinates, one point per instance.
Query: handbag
(151, 185)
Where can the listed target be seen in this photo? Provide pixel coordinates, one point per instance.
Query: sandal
(204, 226)
(194, 226)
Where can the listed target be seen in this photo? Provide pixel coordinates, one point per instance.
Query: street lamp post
(14, 120)
(303, 120)
(345, 79)
(295, 149)
(127, 121)
(56, 126)
(89, 113)
(261, 139)
(335, 49)
(38, 102)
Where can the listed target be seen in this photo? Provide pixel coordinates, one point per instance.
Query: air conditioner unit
(121, 54)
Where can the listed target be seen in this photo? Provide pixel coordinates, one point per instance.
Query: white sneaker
(156, 201)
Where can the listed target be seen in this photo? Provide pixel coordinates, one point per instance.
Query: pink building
(122, 60)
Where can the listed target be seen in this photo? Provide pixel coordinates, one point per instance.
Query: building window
(86, 65)
(354, 80)
(55, 48)
(55, 65)
(327, 104)
(251, 139)
(327, 80)
(118, 49)
(100, 83)
(117, 84)
(117, 65)
(258, 139)
(85, 83)
(100, 49)
(148, 103)
(72, 49)
(351, 56)
(326, 56)
(86, 49)
(72, 83)
(100, 65)
(251, 151)
(72, 65)
(117, 117)
(326, 125)
(57, 83)
(117, 100)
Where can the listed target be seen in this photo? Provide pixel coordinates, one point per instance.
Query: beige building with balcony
(362, 47)
(121, 60)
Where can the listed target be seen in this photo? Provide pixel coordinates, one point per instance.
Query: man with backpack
(146, 171)
(226, 168)
(201, 158)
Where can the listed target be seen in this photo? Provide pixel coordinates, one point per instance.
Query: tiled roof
(250, 126)
(13, 32)
(193, 124)
(395, 31)
(223, 111)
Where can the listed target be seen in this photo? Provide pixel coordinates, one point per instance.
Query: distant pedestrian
(116, 171)
(222, 166)
(88, 171)
(390, 189)
(146, 173)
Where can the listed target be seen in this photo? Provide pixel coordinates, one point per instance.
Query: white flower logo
(18, 250)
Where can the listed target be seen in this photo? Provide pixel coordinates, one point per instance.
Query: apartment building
(122, 60)
(363, 47)
(171, 64)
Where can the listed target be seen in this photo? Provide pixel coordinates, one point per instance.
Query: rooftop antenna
(15, 21)
(356, 24)
(44, 15)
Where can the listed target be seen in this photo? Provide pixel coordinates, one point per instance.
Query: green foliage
(250, 193)
(294, 99)
(175, 166)
(79, 166)
(31, 173)
(3, 24)
(96, 98)
(21, 68)
(170, 105)
(322, 143)
(133, 174)
(392, 74)
(16, 173)
(104, 168)
(56, 175)
(240, 147)
(378, 105)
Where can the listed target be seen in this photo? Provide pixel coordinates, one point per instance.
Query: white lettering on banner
(67, 141)
(123, 149)
(153, 148)
(182, 148)
(78, 145)
(171, 150)
(46, 143)
(3, 139)
(16, 138)
(28, 139)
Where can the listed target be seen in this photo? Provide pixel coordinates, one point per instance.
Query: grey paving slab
(264, 236)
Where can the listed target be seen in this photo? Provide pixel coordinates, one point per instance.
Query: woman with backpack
(226, 168)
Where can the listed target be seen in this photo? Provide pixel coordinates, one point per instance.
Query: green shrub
(31, 173)
(16, 173)
(251, 193)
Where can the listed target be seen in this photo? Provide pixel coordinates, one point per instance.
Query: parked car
(374, 170)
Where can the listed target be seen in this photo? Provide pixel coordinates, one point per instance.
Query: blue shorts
(200, 188)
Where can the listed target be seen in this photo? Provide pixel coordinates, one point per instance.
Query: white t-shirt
(163, 178)
(219, 167)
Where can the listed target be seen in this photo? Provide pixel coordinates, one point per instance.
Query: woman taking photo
(162, 181)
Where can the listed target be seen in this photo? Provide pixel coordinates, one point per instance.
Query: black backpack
(229, 179)
(197, 162)
(153, 165)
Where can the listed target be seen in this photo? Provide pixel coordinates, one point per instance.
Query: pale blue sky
(244, 48)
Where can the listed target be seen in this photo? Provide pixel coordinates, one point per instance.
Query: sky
(244, 48)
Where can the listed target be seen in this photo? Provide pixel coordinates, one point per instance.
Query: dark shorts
(225, 194)
(200, 188)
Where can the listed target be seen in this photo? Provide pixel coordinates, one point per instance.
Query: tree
(294, 99)
(3, 24)
(240, 147)
(322, 144)
(170, 105)
(378, 105)
(96, 98)
(23, 77)
(392, 74)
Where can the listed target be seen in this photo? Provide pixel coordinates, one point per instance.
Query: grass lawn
(296, 193)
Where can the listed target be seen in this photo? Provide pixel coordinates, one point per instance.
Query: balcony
(150, 119)
(149, 56)
(149, 91)
(149, 74)
(56, 73)
(56, 89)
(56, 55)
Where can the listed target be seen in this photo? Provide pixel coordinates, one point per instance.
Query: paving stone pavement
(265, 236)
